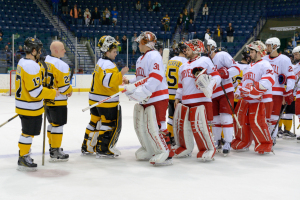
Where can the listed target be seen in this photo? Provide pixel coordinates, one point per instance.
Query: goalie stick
(134, 85)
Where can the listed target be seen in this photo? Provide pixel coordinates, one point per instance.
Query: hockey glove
(281, 79)
(206, 84)
(253, 92)
(288, 97)
(223, 71)
(140, 94)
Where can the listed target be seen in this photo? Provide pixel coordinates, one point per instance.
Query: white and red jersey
(187, 91)
(151, 64)
(223, 59)
(282, 65)
(261, 72)
(297, 74)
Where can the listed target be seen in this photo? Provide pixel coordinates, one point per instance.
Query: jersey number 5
(172, 77)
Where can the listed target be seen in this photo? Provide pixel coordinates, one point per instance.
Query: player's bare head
(112, 53)
(147, 41)
(257, 50)
(57, 49)
(296, 53)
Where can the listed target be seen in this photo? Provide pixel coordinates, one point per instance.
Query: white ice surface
(240, 175)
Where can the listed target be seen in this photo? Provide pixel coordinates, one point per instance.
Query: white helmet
(273, 41)
(257, 46)
(107, 43)
(211, 43)
(147, 38)
(296, 49)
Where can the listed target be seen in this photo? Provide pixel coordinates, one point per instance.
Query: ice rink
(240, 175)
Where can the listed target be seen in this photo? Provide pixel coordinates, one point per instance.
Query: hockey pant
(57, 117)
(103, 131)
(189, 122)
(252, 118)
(156, 144)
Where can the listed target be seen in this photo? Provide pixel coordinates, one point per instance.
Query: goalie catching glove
(139, 94)
(206, 84)
(254, 92)
(288, 97)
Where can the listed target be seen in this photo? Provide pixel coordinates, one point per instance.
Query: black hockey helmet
(32, 43)
(219, 49)
(181, 48)
(158, 45)
(246, 53)
(288, 53)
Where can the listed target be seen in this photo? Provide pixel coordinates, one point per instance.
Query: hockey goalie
(153, 97)
(256, 91)
(197, 80)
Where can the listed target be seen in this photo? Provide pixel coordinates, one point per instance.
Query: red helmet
(196, 45)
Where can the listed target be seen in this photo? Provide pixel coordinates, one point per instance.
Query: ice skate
(84, 151)
(57, 155)
(159, 158)
(25, 163)
(280, 132)
(113, 153)
(226, 149)
(206, 155)
(168, 161)
(218, 145)
(142, 155)
(288, 135)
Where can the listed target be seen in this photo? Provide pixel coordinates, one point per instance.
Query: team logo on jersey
(140, 72)
(187, 73)
(249, 76)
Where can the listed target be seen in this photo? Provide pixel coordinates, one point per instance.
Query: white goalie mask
(258, 46)
(107, 43)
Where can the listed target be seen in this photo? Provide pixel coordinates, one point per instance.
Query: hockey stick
(8, 120)
(283, 110)
(132, 86)
(234, 115)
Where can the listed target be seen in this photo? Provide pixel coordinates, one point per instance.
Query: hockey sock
(227, 124)
(280, 123)
(25, 142)
(287, 124)
(56, 136)
(49, 128)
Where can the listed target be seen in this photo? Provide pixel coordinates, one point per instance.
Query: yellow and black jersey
(58, 77)
(29, 89)
(236, 80)
(105, 83)
(172, 74)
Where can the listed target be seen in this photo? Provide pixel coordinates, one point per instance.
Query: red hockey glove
(288, 97)
(223, 71)
(254, 92)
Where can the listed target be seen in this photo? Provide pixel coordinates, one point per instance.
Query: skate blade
(53, 160)
(289, 138)
(241, 150)
(166, 163)
(26, 169)
(86, 154)
(106, 156)
(184, 156)
(225, 154)
(143, 159)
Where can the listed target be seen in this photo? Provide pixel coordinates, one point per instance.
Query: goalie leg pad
(156, 138)
(145, 152)
(259, 128)
(242, 139)
(92, 138)
(182, 131)
(202, 133)
(115, 136)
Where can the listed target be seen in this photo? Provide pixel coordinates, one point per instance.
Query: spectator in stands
(294, 43)
(297, 39)
(192, 29)
(207, 36)
(205, 12)
(218, 34)
(19, 53)
(106, 16)
(8, 55)
(74, 14)
(138, 6)
(87, 16)
(55, 6)
(118, 40)
(290, 46)
(20, 50)
(96, 16)
(149, 7)
(230, 31)
(124, 44)
(114, 14)
(64, 7)
(134, 44)
(186, 19)
(80, 17)
(180, 21)
(192, 14)
(166, 22)
(1, 34)
(156, 7)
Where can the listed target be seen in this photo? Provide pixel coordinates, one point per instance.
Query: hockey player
(284, 73)
(255, 89)
(172, 80)
(29, 100)
(296, 53)
(287, 118)
(197, 80)
(243, 64)
(58, 77)
(103, 131)
(150, 115)
(222, 112)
